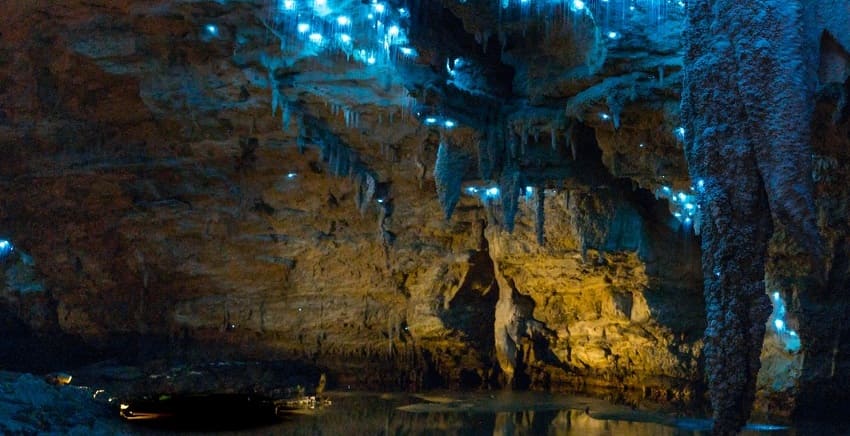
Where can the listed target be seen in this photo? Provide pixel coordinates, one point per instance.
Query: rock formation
(448, 193)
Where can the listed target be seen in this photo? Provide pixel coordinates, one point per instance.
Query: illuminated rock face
(187, 174)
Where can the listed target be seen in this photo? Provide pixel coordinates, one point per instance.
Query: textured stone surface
(748, 108)
(176, 193)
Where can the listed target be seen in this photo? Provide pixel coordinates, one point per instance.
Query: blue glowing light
(289, 4)
(379, 8)
(529, 190)
(472, 190)
(291, 175)
(605, 116)
(320, 3)
(430, 120)
(371, 60)
(681, 196)
(666, 189)
(492, 192)
(680, 133)
(212, 29)
(689, 206)
(316, 38)
(342, 20)
(380, 200)
(345, 38)
(449, 124)
(6, 248)
(303, 27)
(578, 5)
(777, 320)
(407, 51)
(641, 145)
(613, 35)
(393, 31)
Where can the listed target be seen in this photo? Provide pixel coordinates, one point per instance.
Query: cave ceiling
(503, 84)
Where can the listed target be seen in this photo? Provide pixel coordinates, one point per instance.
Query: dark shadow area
(472, 311)
(823, 310)
(203, 412)
(23, 350)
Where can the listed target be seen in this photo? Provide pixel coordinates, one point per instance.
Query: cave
(642, 201)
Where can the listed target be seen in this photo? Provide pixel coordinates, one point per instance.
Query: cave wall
(175, 191)
(150, 192)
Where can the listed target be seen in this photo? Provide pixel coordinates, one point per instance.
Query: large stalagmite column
(747, 105)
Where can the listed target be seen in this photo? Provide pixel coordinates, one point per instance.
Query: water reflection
(501, 414)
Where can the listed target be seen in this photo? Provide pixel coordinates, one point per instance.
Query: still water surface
(496, 414)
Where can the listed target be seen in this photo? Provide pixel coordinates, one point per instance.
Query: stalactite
(449, 170)
(495, 151)
(570, 141)
(300, 135)
(523, 142)
(553, 138)
(747, 112)
(285, 117)
(485, 165)
(509, 185)
(513, 144)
